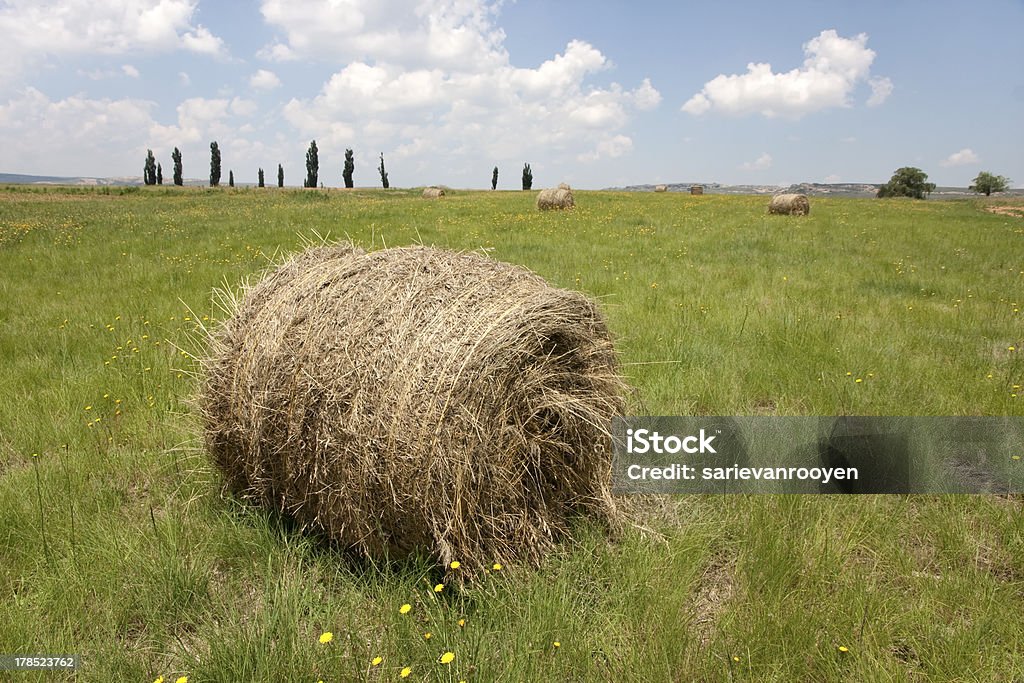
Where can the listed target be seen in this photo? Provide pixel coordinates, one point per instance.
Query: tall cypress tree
(159, 174)
(176, 158)
(214, 165)
(280, 175)
(149, 170)
(527, 177)
(383, 173)
(261, 177)
(231, 178)
(350, 167)
(312, 165)
(494, 179)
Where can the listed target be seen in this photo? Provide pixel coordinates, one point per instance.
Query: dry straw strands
(415, 399)
(433, 193)
(790, 204)
(555, 198)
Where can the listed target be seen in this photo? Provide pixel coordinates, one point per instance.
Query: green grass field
(116, 545)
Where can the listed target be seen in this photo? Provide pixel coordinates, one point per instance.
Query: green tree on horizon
(494, 179)
(527, 177)
(260, 178)
(280, 175)
(907, 181)
(986, 183)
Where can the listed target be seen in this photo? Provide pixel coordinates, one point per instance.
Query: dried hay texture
(433, 193)
(790, 204)
(555, 198)
(564, 186)
(696, 189)
(413, 399)
(661, 188)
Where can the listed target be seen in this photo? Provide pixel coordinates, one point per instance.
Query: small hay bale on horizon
(556, 198)
(661, 188)
(696, 189)
(790, 205)
(415, 400)
(433, 193)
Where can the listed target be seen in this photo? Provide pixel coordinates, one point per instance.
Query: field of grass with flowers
(116, 545)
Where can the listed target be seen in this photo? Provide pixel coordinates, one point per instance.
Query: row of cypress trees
(152, 172)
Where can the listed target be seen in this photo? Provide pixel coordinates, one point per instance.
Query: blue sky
(594, 94)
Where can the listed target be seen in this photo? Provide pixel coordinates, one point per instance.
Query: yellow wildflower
(447, 657)
(404, 609)
(376, 661)
(405, 672)
(326, 637)
(455, 565)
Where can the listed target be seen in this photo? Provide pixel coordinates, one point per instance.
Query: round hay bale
(790, 205)
(433, 193)
(555, 198)
(414, 399)
(696, 189)
(661, 188)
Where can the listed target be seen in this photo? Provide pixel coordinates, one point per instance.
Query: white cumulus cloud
(761, 163)
(881, 88)
(36, 29)
(435, 79)
(832, 69)
(445, 33)
(264, 80)
(964, 157)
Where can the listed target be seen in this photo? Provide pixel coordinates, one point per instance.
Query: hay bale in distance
(661, 188)
(414, 399)
(556, 198)
(696, 189)
(433, 193)
(790, 205)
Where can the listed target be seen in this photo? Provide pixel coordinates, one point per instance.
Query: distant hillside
(811, 189)
(23, 179)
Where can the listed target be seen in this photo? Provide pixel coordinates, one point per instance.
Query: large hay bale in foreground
(433, 193)
(790, 205)
(415, 399)
(555, 198)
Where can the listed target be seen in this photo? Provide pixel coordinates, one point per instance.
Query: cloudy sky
(595, 94)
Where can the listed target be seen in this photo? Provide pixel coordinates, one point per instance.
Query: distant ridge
(811, 189)
(25, 179)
